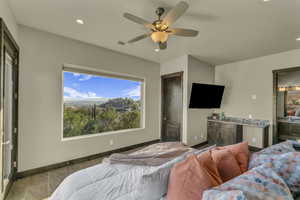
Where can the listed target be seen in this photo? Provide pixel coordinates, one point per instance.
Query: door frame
(275, 85)
(7, 42)
(163, 77)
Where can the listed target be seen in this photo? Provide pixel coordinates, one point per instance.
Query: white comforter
(118, 182)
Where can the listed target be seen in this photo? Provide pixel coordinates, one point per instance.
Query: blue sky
(85, 86)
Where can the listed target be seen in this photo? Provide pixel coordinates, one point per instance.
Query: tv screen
(206, 96)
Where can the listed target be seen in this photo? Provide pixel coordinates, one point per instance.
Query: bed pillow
(188, 180)
(206, 161)
(241, 153)
(226, 163)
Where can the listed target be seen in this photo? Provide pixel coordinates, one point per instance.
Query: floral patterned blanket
(274, 173)
(260, 183)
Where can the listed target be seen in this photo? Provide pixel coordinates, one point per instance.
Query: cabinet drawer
(213, 124)
(283, 128)
(295, 129)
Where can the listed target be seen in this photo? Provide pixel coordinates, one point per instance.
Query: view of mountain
(87, 101)
(96, 104)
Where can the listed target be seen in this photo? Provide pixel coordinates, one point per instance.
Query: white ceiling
(229, 30)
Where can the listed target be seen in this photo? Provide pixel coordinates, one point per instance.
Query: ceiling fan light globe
(159, 36)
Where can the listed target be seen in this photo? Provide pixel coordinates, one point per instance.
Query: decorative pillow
(188, 180)
(206, 161)
(241, 154)
(260, 183)
(227, 165)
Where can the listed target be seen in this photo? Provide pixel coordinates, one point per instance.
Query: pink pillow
(228, 166)
(206, 161)
(188, 180)
(241, 153)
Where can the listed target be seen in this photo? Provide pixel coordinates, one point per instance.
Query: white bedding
(118, 182)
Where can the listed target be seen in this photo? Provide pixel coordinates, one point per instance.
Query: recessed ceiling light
(266, 0)
(79, 21)
(298, 39)
(156, 50)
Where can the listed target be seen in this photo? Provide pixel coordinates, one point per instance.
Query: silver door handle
(6, 143)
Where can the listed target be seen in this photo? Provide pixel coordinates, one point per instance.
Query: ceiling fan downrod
(160, 11)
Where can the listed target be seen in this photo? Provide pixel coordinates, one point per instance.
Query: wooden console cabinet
(227, 132)
(223, 134)
(288, 130)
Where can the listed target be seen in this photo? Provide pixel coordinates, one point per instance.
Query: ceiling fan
(160, 29)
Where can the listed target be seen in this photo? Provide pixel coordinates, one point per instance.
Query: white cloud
(133, 92)
(76, 74)
(82, 77)
(72, 93)
(92, 94)
(85, 77)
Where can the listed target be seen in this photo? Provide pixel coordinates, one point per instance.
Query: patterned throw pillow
(260, 183)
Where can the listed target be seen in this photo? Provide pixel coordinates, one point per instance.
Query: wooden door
(172, 107)
(9, 73)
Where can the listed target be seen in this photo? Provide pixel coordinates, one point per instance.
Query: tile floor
(41, 186)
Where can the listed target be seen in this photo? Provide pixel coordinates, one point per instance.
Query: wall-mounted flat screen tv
(206, 96)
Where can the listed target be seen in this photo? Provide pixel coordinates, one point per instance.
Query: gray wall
(198, 72)
(194, 127)
(42, 57)
(9, 18)
(252, 77)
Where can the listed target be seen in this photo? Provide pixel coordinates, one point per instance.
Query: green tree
(130, 120)
(109, 118)
(115, 114)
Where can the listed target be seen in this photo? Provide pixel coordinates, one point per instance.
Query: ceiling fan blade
(183, 32)
(175, 13)
(121, 43)
(140, 37)
(138, 20)
(162, 46)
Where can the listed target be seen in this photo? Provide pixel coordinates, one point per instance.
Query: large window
(96, 103)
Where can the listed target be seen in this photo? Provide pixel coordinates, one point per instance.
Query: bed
(273, 172)
(123, 181)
